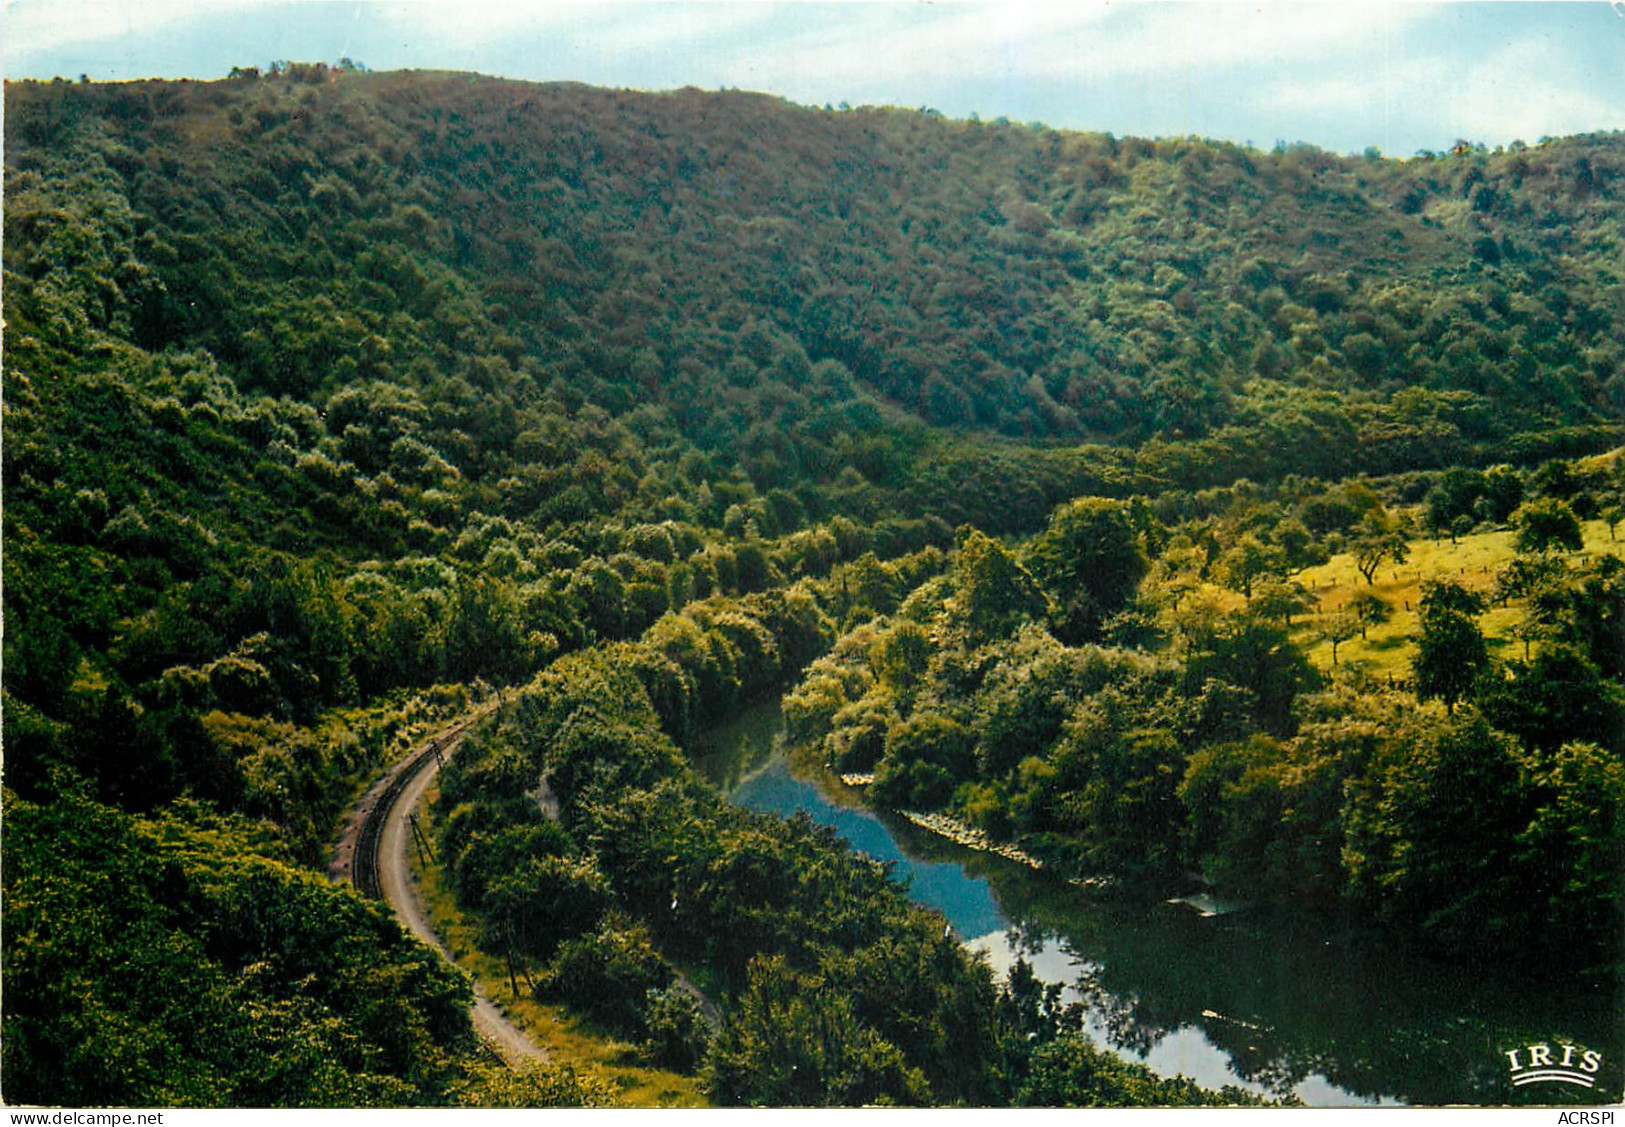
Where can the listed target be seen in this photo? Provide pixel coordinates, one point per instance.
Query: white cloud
(627, 26)
(1515, 94)
(900, 43)
(33, 26)
(1417, 81)
(489, 23)
(1523, 91)
(1088, 41)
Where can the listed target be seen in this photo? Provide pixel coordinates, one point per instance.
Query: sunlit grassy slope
(1387, 649)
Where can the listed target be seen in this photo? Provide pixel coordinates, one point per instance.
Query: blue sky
(1399, 76)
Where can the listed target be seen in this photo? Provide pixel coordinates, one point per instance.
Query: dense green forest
(333, 400)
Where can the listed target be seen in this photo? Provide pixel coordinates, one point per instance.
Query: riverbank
(960, 833)
(1334, 1024)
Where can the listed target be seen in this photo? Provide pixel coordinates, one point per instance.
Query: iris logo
(1544, 1064)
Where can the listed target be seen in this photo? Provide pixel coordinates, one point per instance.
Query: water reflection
(1277, 1006)
(747, 762)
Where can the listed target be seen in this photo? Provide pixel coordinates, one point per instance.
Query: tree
(1249, 560)
(901, 657)
(1177, 572)
(1071, 1071)
(1117, 783)
(1298, 547)
(1503, 493)
(482, 630)
(1248, 651)
(1338, 627)
(1576, 841)
(926, 756)
(609, 972)
(790, 1040)
(1446, 596)
(1379, 536)
(678, 1033)
(1528, 577)
(1370, 609)
(1438, 513)
(1090, 560)
(1233, 796)
(1591, 614)
(1530, 629)
(543, 903)
(1458, 491)
(992, 591)
(1557, 479)
(216, 976)
(1556, 697)
(1547, 523)
(1612, 512)
(867, 584)
(1450, 651)
(1431, 832)
(1281, 600)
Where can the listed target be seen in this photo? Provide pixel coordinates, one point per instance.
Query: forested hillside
(334, 399)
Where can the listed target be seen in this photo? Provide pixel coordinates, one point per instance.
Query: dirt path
(395, 881)
(381, 816)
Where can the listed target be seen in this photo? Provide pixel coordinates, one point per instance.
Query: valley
(1201, 522)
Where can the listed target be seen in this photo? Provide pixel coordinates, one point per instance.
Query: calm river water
(1235, 999)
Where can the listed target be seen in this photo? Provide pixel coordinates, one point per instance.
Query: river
(1272, 1005)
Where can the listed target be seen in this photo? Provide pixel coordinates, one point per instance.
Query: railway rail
(372, 855)
(363, 861)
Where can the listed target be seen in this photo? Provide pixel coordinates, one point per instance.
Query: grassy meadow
(1387, 649)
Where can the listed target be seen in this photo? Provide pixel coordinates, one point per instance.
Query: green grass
(1388, 648)
(567, 1037)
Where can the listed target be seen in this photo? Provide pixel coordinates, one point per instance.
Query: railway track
(363, 859)
(372, 856)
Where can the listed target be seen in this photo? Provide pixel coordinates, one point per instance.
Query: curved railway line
(364, 859)
(372, 856)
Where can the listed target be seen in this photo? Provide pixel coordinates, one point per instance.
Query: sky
(1403, 77)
